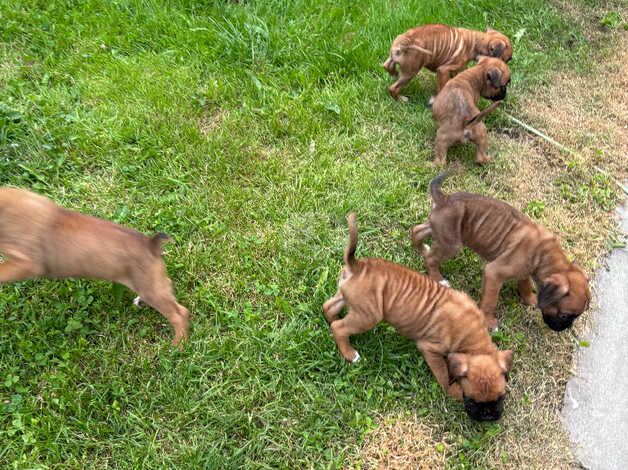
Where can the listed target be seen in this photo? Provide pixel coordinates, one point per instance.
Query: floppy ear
(553, 289)
(504, 359)
(493, 76)
(579, 268)
(496, 48)
(458, 365)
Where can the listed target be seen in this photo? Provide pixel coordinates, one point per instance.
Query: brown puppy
(455, 107)
(442, 49)
(446, 325)
(515, 248)
(40, 239)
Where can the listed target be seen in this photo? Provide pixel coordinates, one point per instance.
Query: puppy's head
(498, 45)
(496, 78)
(563, 297)
(482, 378)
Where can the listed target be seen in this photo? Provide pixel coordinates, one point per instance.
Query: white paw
(403, 98)
(444, 283)
(137, 301)
(356, 358)
(431, 101)
(426, 248)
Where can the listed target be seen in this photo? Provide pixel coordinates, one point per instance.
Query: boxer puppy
(445, 324)
(514, 247)
(40, 239)
(442, 49)
(455, 107)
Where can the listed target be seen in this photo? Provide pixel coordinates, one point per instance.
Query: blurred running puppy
(40, 239)
(514, 246)
(446, 325)
(442, 49)
(455, 107)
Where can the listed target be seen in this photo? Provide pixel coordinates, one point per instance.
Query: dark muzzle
(484, 411)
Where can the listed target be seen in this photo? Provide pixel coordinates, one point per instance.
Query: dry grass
(402, 441)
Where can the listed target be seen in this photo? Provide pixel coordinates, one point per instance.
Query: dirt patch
(402, 441)
(210, 122)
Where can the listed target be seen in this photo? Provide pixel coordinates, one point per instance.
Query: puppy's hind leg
(353, 323)
(333, 306)
(390, 66)
(420, 232)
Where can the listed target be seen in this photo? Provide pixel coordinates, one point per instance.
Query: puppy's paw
(430, 103)
(137, 302)
(529, 300)
(403, 99)
(492, 325)
(444, 283)
(356, 358)
(426, 249)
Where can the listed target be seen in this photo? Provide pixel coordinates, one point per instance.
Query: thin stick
(564, 148)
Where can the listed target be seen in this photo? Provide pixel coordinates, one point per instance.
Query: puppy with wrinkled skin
(514, 247)
(445, 324)
(442, 49)
(455, 107)
(40, 239)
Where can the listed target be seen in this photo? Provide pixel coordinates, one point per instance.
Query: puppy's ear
(458, 365)
(493, 76)
(579, 268)
(496, 48)
(552, 290)
(504, 359)
(157, 242)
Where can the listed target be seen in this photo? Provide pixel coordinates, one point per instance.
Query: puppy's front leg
(491, 285)
(438, 365)
(13, 270)
(524, 286)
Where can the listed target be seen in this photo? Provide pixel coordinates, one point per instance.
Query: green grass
(101, 108)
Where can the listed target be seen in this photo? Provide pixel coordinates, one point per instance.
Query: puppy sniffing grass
(446, 325)
(442, 49)
(40, 239)
(514, 247)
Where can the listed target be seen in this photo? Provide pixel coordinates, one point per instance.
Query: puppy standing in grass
(40, 239)
(455, 107)
(442, 49)
(446, 325)
(515, 248)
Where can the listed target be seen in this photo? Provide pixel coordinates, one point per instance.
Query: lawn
(246, 131)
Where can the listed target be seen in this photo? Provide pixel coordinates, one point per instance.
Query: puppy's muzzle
(559, 322)
(500, 96)
(484, 411)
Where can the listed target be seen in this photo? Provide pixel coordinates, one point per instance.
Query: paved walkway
(596, 399)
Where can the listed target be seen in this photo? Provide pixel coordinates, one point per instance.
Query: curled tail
(479, 117)
(349, 257)
(437, 195)
(156, 243)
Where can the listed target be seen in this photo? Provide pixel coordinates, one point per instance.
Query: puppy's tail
(157, 241)
(479, 117)
(437, 195)
(349, 257)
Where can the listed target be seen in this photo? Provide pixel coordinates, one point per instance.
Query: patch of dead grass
(210, 122)
(402, 441)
